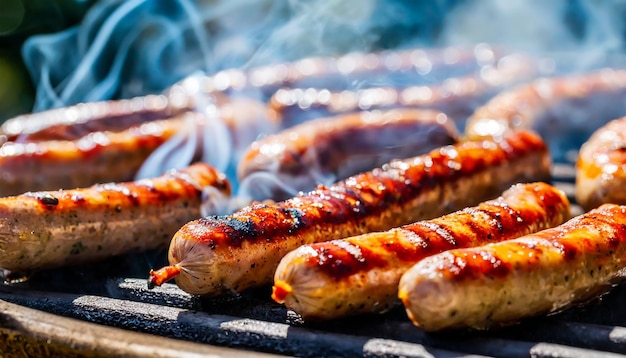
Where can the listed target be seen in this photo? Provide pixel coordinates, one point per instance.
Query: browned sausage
(66, 227)
(220, 254)
(504, 282)
(93, 143)
(324, 151)
(360, 274)
(458, 97)
(564, 110)
(600, 170)
(396, 67)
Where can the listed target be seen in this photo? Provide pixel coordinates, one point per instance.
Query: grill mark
(441, 231)
(139, 193)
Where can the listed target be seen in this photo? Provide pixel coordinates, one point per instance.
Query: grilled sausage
(74, 122)
(360, 274)
(221, 254)
(600, 173)
(54, 228)
(458, 97)
(95, 158)
(101, 142)
(400, 67)
(324, 151)
(564, 110)
(504, 282)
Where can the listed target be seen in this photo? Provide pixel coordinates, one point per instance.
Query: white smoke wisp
(587, 30)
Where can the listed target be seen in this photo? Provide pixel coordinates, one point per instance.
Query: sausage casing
(360, 274)
(55, 228)
(324, 151)
(504, 282)
(117, 141)
(221, 254)
(600, 169)
(558, 108)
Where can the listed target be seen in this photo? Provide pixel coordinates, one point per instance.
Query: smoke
(129, 48)
(584, 32)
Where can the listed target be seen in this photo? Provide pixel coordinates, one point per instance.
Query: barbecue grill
(108, 308)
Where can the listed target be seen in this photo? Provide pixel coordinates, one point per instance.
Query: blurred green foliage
(20, 19)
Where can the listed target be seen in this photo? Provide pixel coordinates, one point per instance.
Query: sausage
(95, 158)
(331, 149)
(74, 122)
(564, 110)
(360, 274)
(221, 254)
(82, 145)
(399, 67)
(55, 228)
(600, 174)
(458, 97)
(502, 283)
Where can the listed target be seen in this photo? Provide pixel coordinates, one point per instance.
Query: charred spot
(297, 216)
(48, 199)
(118, 208)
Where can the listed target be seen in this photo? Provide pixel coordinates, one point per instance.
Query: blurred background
(20, 20)
(55, 53)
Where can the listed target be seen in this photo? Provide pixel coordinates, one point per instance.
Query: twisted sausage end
(280, 291)
(162, 275)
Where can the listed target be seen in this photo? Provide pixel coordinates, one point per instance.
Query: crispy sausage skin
(101, 142)
(367, 69)
(324, 151)
(458, 96)
(600, 169)
(222, 254)
(97, 157)
(66, 227)
(360, 274)
(504, 282)
(564, 110)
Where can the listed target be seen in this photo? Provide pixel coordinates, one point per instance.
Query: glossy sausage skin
(564, 110)
(98, 157)
(457, 96)
(360, 274)
(600, 169)
(504, 282)
(222, 254)
(91, 143)
(67, 227)
(324, 151)
(399, 68)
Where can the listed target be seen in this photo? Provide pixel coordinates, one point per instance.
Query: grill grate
(115, 294)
